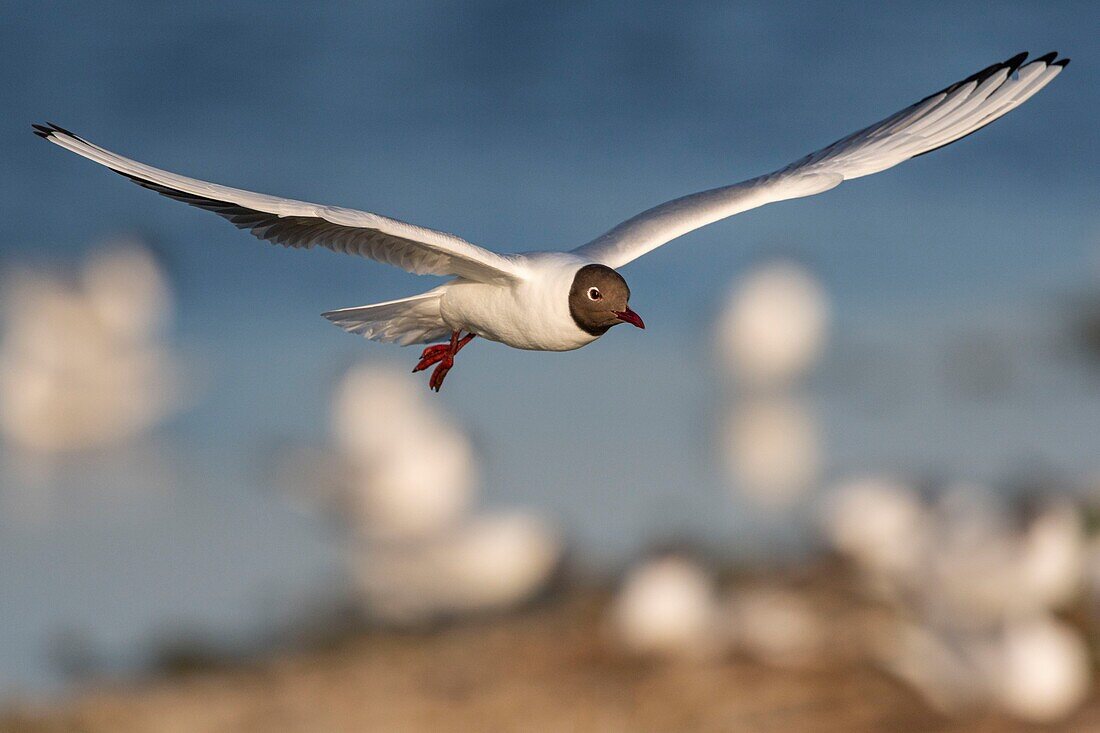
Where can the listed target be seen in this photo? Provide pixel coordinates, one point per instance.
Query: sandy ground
(548, 668)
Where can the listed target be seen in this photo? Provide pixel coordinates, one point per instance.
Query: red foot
(444, 356)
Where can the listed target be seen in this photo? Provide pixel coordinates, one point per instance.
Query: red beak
(629, 316)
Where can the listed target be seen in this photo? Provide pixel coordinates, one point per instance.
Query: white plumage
(523, 300)
(935, 121)
(412, 320)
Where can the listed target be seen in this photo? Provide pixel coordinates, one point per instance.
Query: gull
(559, 301)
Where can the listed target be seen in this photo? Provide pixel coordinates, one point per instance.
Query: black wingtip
(51, 128)
(1061, 62)
(1016, 61)
(1048, 58)
(58, 128)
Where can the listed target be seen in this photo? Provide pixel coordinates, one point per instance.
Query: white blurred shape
(986, 568)
(501, 560)
(667, 607)
(127, 290)
(773, 326)
(1052, 565)
(777, 627)
(415, 489)
(772, 450)
(79, 366)
(879, 522)
(972, 581)
(412, 473)
(489, 563)
(374, 406)
(979, 585)
(1044, 671)
(407, 484)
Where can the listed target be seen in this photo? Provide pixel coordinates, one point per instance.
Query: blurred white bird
(83, 365)
(668, 607)
(771, 448)
(410, 472)
(1043, 669)
(557, 301)
(773, 327)
(489, 562)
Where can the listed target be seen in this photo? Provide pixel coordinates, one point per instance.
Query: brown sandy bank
(549, 668)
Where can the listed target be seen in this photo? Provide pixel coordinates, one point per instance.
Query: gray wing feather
(304, 225)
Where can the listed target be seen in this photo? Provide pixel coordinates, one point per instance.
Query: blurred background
(859, 433)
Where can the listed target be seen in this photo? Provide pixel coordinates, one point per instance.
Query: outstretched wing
(300, 224)
(935, 121)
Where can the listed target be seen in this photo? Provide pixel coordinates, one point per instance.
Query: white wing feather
(414, 320)
(935, 121)
(300, 224)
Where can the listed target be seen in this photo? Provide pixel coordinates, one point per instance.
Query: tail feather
(414, 320)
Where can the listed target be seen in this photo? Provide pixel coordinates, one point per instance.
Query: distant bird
(558, 301)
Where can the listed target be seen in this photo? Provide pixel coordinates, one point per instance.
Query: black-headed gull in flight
(557, 301)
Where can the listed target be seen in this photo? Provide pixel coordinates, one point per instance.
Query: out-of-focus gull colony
(768, 337)
(959, 597)
(83, 363)
(974, 589)
(963, 593)
(415, 550)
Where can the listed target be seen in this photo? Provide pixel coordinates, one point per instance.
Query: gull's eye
(594, 294)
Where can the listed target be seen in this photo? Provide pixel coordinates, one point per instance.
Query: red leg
(432, 355)
(463, 341)
(442, 355)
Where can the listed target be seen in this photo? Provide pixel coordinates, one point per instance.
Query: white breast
(529, 314)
